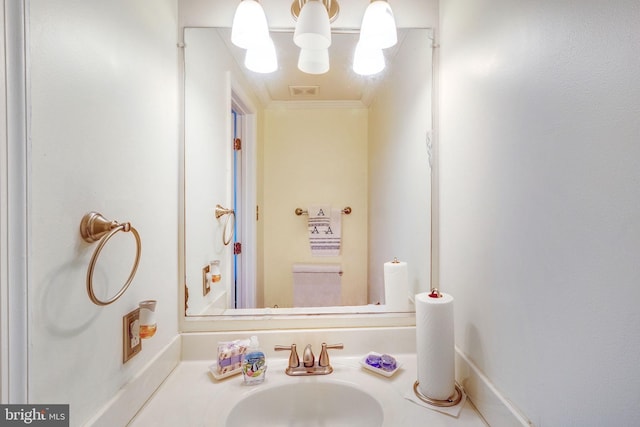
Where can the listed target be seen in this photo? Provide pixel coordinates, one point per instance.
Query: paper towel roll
(396, 286)
(435, 351)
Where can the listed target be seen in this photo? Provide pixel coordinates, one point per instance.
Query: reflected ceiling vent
(303, 90)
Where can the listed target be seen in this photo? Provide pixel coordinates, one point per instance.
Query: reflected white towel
(317, 285)
(325, 229)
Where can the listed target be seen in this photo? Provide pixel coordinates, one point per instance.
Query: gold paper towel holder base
(451, 401)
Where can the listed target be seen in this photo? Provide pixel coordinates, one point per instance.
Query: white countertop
(191, 397)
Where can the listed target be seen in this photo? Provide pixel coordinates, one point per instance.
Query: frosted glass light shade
(262, 57)
(378, 27)
(368, 60)
(313, 29)
(249, 24)
(314, 61)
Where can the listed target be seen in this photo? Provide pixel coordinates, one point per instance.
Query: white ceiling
(340, 83)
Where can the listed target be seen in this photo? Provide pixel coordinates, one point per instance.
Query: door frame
(14, 194)
(242, 103)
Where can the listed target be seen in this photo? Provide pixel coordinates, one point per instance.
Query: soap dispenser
(254, 364)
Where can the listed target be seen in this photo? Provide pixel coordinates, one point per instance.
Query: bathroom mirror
(338, 140)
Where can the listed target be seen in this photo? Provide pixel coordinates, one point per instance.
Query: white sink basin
(327, 404)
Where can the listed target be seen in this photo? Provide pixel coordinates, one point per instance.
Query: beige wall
(313, 156)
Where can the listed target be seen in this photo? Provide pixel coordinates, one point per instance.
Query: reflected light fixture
(377, 32)
(261, 58)
(313, 61)
(378, 27)
(312, 33)
(368, 60)
(250, 31)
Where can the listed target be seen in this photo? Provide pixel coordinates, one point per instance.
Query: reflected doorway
(243, 283)
(237, 284)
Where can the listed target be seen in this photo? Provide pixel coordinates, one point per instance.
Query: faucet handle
(308, 359)
(294, 361)
(323, 360)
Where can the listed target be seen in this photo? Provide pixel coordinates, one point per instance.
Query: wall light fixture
(312, 35)
(250, 31)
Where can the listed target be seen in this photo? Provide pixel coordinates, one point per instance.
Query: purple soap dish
(382, 364)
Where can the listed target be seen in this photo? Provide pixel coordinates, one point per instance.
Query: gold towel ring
(92, 228)
(220, 211)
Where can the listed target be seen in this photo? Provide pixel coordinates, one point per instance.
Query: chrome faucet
(309, 365)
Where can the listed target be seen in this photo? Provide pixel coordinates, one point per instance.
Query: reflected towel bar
(299, 211)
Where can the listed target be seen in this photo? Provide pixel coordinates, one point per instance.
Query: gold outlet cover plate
(206, 285)
(131, 342)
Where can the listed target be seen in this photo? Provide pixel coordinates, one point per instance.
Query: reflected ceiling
(288, 83)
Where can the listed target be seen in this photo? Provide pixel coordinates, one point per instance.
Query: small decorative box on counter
(229, 358)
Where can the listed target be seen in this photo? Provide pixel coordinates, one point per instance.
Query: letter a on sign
(315, 230)
(320, 213)
(328, 231)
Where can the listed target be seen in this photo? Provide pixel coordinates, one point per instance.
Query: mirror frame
(275, 321)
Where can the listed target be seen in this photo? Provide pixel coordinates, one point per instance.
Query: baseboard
(496, 410)
(130, 399)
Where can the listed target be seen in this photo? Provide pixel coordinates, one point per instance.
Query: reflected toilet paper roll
(435, 351)
(396, 285)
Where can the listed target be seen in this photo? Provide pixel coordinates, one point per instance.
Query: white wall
(210, 73)
(540, 202)
(104, 137)
(207, 162)
(400, 181)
